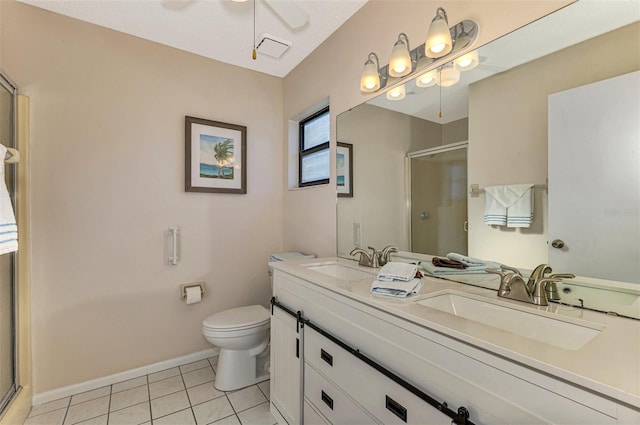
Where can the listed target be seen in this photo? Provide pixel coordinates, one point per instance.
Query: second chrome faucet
(374, 258)
(538, 290)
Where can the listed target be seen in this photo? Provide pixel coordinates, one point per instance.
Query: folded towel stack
(8, 227)
(397, 280)
(396, 288)
(287, 256)
(473, 266)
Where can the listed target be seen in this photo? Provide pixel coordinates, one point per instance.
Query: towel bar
(476, 190)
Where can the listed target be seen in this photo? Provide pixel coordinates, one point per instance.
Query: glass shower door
(7, 261)
(439, 200)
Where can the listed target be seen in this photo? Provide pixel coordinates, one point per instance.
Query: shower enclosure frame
(6, 398)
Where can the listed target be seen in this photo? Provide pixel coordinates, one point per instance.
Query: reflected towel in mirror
(8, 227)
(510, 205)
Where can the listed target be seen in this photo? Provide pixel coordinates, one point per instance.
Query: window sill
(294, 189)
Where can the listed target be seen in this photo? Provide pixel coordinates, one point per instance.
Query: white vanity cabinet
(495, 390)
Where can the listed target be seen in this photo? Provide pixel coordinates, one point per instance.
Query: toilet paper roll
(193, 295)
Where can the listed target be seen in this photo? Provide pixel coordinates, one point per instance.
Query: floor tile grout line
(232, 408)
(66, 412)
(149, 401)
(109, 406)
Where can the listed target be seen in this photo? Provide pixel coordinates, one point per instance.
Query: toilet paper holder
(185, 286)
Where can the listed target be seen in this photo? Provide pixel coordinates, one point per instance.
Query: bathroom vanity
(453, 353)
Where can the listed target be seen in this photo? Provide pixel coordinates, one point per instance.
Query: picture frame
(344, 170)
(215, 156)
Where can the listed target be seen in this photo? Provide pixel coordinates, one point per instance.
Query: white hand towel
(510, 205)
(396, 288)
(8, 227)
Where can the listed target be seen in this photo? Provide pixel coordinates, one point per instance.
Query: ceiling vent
(273, 46)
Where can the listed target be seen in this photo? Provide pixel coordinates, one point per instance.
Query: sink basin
(569, 334)
(340, 271)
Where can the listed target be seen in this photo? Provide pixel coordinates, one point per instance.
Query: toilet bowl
(242, 334)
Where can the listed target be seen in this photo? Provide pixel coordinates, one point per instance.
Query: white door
(594, 179)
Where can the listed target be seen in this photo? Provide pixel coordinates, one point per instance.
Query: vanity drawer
(312, 416)
(331, 402)
(328, 357)
(388, 401)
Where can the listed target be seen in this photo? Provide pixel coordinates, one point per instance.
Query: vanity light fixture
(400, 63)
(372, 79)
(397, 93)
(439, 42)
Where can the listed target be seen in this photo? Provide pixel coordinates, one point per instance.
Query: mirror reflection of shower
(438, 200)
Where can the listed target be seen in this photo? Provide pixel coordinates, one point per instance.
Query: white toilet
(243, 337)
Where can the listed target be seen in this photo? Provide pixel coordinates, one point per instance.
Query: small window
(314, 149)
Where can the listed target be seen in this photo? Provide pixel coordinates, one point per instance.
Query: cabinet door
(286, 389)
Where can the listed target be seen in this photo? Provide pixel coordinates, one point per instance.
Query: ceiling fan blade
(290, 12)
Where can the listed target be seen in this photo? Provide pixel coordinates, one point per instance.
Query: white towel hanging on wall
(8, 227)
(510, 205)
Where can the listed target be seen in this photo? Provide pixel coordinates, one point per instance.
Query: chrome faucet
(385, 254)
(367, 259)
(513, 286)
(540, 273)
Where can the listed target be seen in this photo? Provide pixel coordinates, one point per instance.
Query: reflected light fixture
(438, 41)
(370, 79)
(427, 79)
(397, 93)
(467, 61)
(400, 63)
(448, 76)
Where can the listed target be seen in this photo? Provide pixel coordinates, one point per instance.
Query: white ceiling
(217, 29)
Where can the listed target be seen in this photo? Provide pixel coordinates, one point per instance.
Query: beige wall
(107, 174)
(334, 68)
(508, 134)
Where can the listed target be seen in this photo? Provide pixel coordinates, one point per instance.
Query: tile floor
(179, 396)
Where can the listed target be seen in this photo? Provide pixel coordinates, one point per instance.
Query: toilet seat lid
(240, 317)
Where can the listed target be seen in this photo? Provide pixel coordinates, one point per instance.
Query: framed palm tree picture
(215, 156)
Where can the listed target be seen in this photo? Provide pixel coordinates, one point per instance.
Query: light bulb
(370, 79)
(400, 62)
(438, 41)
(427, 79)
(467, 61)
(449, 76)
(396, 93)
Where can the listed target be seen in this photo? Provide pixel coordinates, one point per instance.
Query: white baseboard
(121, 376)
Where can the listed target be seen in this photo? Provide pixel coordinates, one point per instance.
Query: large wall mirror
(415, 159)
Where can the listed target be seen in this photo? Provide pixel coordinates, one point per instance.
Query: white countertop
(608, 364)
